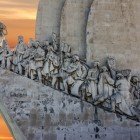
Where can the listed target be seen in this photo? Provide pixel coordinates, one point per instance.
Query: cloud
(18, 9)
(19, 17)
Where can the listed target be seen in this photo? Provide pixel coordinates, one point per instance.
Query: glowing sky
(4, 131)
(19, 17)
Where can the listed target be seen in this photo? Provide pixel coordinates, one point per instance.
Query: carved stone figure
(123, 98)
(28, 56)
(20, 48)
(8, 56)
(9, 59)
(135, 88)
(31, 51)
(3, 32)
(5, 55)
(65, 48)
(55, 42)
(32, 68)
(66, 61)
(15, 62)
(77, 72)
(45, 45)
(105, 86)
(65, 71)
(1, 53)
(19, 53)
(39, 58)
(51, 66)
(4, 50)
(111, 63)
(91, 84)
(31, 43)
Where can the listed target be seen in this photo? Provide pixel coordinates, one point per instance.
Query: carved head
(20, 39)
(119, 76)
(111, 62)
(134, 79)
(46, 42)
(96, 64)
(37, 44)
(50, 48)
(104, 69)
(76, 58)
(31, 42)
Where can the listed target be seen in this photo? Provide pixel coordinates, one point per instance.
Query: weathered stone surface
(113, 30)
(74, 23)
(44, 113)
(48, 18)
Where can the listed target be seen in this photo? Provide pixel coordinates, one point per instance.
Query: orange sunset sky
(19, 17)
(4, 131)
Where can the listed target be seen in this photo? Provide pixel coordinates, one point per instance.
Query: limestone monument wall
(43, 113)
(111, 28)
(48, 18)
(74, 23)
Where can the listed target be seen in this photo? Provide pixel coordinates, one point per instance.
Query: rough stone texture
(113, 30)
(48, 18)
(74, 23)
(44, 113)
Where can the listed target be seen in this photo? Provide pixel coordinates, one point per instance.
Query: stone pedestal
(43, 113)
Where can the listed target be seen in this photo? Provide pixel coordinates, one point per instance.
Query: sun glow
(4, 131)
(19, 17)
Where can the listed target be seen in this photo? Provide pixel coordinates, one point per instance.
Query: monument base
(43, 113)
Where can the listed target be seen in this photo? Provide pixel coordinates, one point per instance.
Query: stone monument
(95, 29)
(79, 79)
